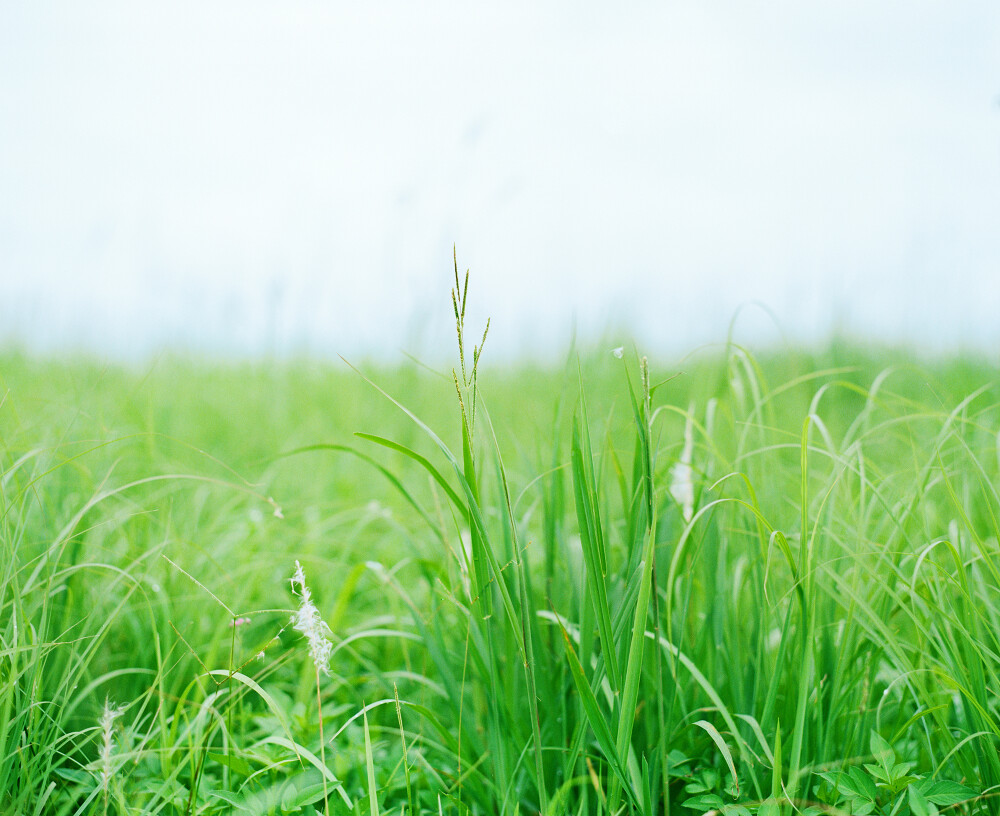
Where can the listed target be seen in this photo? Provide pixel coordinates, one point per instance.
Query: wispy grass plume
(307, 620)
(109, 714)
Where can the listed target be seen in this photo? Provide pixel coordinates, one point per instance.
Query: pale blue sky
(250, 176)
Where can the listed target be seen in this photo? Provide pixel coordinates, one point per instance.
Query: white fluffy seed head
(308, 621)
(682, 474)
(107, 722)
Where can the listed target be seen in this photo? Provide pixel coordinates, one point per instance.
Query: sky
(249, 177)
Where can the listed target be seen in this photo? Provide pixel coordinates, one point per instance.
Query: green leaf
(170, 790)
(710, 777)
(420, 460)
(370, 765)
(880, 773)
(304, 753)
(882, 751)
(226, 796)
(677, 763)
(947, 793)
(647, 792)
(474, 511)
(902, 782)
(633, 666)
(863, 784)
(593, 711)
(294, 798)
(841, 782)
(830, 778)
(288, 793)
(919, 804)
(252, 684)
(769, 808)
(73, 775)
(721, 745)
(592, 540)
(776, 764)
(705, 802)
(233, 762)
(393, 480)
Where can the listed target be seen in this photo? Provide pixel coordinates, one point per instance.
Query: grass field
(748, 585)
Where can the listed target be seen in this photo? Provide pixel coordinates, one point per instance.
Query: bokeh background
(262, 178)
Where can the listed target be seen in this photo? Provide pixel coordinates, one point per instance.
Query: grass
(736, 584)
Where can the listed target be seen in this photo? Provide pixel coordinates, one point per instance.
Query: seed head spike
(308, 621)
(485, 332)
(108, 716)
(461, 402)
(461, 353)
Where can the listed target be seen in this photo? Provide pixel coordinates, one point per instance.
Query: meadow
(735, 583)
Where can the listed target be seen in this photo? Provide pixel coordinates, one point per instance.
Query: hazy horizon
(251, 178)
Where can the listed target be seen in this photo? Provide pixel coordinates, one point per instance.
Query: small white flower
(618, 352)
(308, 621)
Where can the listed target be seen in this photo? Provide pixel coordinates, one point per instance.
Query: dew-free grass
(737, 583)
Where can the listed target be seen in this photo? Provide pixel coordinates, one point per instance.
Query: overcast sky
(246, 177)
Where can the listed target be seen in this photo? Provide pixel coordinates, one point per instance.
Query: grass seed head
(308, 621)
(107, 722)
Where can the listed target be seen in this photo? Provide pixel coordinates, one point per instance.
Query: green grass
(524, 616)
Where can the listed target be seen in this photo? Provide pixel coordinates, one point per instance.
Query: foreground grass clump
(741, 585)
